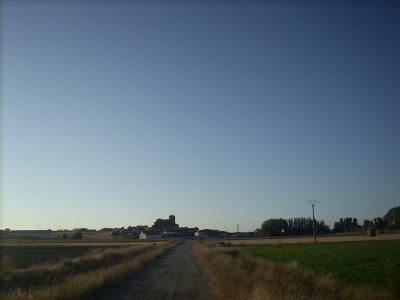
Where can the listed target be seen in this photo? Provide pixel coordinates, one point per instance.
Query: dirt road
(175, 275)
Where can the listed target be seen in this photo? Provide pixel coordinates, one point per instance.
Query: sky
(116, 113)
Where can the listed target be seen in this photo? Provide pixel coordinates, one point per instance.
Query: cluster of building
(162, 228)
(168, 228)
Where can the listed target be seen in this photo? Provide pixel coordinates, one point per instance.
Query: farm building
(210, 233)
(150, 235)
(187, 231)
(245, 234)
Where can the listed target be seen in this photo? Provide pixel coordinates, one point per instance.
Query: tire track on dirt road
(175, 275)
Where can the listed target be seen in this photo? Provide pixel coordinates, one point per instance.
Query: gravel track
(175, 275)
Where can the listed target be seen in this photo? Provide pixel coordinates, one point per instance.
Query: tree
(322, 227)
(392, 218)
(379, 223)
(272, 227)
(346, 225)
(366, 224)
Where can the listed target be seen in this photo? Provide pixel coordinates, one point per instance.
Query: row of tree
(304, 226)
(351, 224)
(346, 225)
(294, 226)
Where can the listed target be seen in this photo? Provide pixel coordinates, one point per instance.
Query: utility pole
(312, 203)
(237, 226)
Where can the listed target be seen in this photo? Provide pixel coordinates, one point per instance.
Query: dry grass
(236, 275)
(86, 280)
(25, 255)
(42, 274)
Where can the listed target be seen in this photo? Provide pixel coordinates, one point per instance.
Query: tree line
(293, 226)
(304, 226)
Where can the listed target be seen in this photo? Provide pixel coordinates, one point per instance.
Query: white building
(200, 234)
(150, 235)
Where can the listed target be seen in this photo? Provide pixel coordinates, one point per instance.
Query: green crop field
(373, 263)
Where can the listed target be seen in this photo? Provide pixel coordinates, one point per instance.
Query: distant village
(164, 228)
(161, 229)
(167, 228)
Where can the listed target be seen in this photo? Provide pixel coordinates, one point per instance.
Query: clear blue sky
(116, 113)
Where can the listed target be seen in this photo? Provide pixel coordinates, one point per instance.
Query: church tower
(172, 219)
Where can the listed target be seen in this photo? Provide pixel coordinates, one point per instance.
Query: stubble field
(30, 253)
(69, 270)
